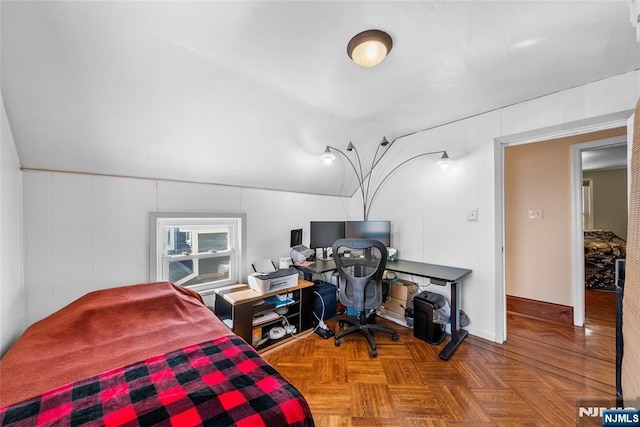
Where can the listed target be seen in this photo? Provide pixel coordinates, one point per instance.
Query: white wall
(12, 295)
(427, 206)
(87, 232)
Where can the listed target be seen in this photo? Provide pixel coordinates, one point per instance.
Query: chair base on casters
(362, 325)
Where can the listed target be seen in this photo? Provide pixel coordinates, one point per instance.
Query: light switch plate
(535, 214)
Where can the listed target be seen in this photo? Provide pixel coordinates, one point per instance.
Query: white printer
(275, 280)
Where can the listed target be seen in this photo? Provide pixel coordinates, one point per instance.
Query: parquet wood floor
(535, 378)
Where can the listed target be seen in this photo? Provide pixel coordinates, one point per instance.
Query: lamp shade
(444, 161)
(327, 156)
(369, 48)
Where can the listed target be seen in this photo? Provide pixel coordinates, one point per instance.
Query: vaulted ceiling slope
(250, 92)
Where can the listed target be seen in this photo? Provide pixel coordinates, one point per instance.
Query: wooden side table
(251, 315)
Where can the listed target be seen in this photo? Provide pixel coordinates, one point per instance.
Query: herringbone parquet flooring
(536, 378)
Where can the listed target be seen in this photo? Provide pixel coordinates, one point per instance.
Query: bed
(601, 250)
(143, 354)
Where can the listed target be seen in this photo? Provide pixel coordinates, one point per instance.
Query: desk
(438, 274)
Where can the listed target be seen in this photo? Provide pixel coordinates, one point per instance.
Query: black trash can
(423, 326)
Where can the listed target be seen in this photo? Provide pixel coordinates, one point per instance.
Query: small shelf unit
(251, 315)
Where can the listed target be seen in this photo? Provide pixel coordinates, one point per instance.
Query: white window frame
(159, 222)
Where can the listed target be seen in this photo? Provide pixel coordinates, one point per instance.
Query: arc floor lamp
(364, 181)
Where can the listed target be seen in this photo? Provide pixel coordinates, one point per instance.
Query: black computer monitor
(296, 237)
(376, 230)
(324, 233)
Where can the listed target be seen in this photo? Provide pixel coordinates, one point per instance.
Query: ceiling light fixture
(364, 181)
(369, 48)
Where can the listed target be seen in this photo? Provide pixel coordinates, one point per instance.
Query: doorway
(603, 218)
(540, 223)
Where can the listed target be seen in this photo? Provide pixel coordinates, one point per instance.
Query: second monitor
(376, 230)
(324, 233)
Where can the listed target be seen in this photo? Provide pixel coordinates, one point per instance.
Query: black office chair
(360, 264)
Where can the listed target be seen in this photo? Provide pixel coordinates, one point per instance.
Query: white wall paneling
(139, 197)
(426, 205)
(107, 241)
(38, 235)
(271, 215)
(571, 105)
(595, 100)
(543, 111)
(619, 92)
(72, 244)
(86, 232)
(12, 292)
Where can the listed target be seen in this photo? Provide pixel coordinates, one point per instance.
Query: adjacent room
(373, 213)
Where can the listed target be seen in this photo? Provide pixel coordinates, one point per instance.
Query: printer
(274, 280)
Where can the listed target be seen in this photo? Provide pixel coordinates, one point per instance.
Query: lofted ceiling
(250, 92)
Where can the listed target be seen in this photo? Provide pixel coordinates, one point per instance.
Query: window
(198, 251)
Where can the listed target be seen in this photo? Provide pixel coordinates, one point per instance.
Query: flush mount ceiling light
(369, 48)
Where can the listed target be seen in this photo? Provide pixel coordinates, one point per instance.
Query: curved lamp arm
(370, 202)
(374, 162)
(359, 177)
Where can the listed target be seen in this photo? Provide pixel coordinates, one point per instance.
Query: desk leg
(306, 275)
(457, 334)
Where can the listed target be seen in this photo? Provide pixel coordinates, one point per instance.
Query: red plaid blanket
(221, 382)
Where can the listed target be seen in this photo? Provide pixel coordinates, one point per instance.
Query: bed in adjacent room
(601, 250)
(142, 354)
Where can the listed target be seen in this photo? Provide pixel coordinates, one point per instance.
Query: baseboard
(540, 310)
(481, 334)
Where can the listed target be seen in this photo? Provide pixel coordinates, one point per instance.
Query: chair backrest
(360, 264)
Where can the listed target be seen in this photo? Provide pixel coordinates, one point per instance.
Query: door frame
(608, 121)
(578, 223)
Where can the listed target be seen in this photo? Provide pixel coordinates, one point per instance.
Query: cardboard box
(403, 290)
(401, 296)
(395, 305)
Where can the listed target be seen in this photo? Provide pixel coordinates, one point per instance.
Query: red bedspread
(221, 382)
(102, 330)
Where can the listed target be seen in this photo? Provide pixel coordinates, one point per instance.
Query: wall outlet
(472, 214)
(535, 213)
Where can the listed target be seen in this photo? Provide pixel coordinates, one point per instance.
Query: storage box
(396, 305)
(326, 298)
(403, 290)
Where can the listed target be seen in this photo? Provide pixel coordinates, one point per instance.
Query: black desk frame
(438, 274)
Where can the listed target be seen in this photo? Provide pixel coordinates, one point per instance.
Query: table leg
(457, 334)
